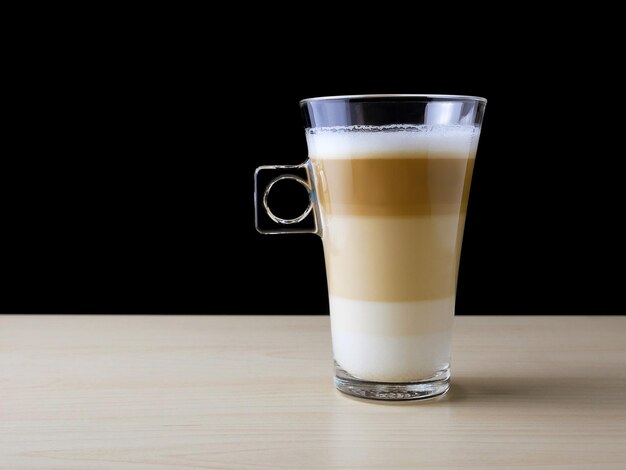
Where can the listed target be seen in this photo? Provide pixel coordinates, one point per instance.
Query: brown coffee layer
(396, 185)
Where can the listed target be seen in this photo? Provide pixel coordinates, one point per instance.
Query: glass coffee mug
(388, 178)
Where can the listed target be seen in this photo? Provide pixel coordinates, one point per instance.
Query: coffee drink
(392, 202)
(388, 178)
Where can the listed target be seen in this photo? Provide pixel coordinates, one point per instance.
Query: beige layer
(391, 259)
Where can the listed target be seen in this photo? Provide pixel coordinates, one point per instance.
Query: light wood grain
(180, 392)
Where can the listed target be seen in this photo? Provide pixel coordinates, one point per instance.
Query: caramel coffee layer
(402, 184)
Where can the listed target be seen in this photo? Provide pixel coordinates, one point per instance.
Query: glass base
(419, 390)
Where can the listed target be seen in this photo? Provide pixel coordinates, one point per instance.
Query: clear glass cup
(388, 178)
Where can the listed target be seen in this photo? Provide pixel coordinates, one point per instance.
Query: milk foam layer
(376, 141)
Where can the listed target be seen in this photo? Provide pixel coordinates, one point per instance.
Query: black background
(129, 187)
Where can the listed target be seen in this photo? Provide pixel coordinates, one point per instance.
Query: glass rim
(424, 97)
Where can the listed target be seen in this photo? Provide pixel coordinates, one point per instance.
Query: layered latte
(392, 205)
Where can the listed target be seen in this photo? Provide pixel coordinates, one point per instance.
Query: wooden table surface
(242, 392)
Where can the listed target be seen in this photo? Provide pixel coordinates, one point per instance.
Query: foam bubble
(375, 141)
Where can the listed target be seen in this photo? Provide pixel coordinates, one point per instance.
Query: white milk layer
(391, 341)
